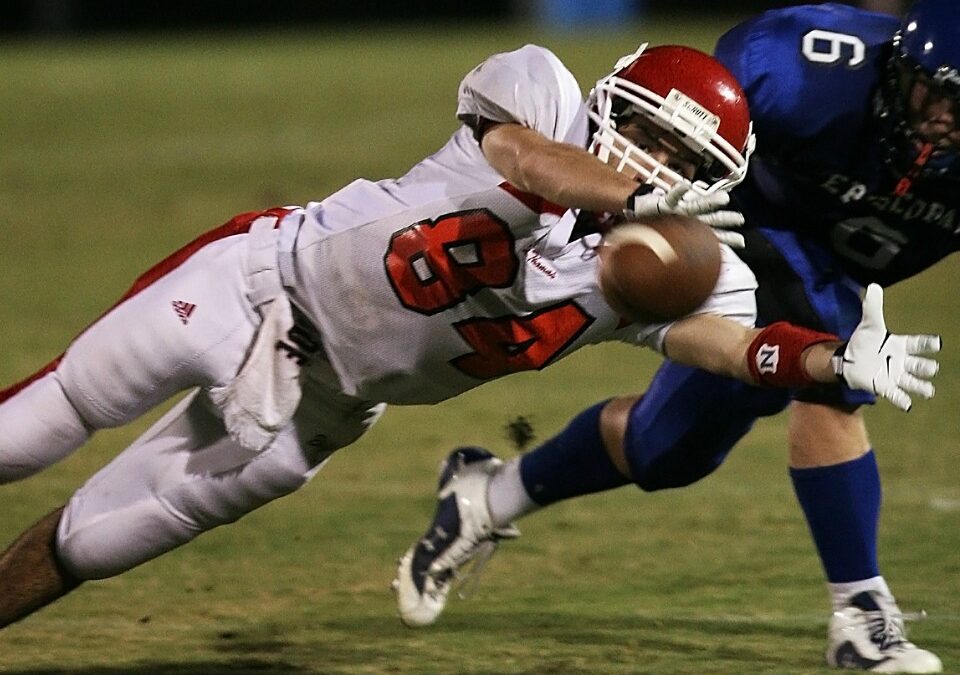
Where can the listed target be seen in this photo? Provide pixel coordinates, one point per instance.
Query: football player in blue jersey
(855, 180)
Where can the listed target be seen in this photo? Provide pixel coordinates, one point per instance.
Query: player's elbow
(529, 161)
(535, 172)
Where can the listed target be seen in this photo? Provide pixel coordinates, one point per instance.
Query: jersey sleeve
(758, 55)
(734, 298)
(529, 86)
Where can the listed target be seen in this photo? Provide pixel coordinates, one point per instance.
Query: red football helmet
(687, 93)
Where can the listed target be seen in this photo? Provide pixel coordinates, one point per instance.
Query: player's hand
(650, 201)
(888, 365)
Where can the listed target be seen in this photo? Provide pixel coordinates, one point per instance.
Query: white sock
(507, 499)
(841, 593)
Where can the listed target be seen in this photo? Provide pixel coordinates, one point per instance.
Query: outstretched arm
(559, 172)
(874, 360)
(575, 179)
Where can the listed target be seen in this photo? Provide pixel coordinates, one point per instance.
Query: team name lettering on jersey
(906, 207)
(537, 262)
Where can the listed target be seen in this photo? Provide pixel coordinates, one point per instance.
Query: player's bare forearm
(722, 346)
(817, 361)
(712, 343)
(561, 173)
(893, 367)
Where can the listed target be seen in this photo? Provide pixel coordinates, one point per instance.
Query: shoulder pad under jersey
(807, 68)
(528, 86)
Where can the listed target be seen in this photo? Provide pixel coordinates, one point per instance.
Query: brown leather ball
(659, 269)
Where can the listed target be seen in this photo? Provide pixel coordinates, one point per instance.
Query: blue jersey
(811, 75)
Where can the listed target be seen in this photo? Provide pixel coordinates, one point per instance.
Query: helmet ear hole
(709, 171)
(620, 111)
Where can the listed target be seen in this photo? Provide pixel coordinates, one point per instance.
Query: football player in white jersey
(294, 327)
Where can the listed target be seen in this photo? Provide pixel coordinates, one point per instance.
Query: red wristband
(775, 355)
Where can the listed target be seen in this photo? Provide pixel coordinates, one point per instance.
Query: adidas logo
(183, 310)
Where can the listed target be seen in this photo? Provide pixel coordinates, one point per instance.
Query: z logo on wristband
(768, 358)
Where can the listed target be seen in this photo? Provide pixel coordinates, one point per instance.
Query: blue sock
(842, 506)
(572, 463)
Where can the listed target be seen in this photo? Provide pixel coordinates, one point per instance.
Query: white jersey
(428, 285)
(421, 288)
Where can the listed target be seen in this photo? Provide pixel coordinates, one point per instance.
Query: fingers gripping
(722, 219)
(681, 200)
(669, 202)
(731, 239)
(695, 205)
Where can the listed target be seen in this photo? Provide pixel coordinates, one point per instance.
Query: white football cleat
(461, 531)
(868, 634)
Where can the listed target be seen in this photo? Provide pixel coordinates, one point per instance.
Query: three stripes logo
(183, 310)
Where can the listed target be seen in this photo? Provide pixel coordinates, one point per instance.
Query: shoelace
(887, 628)
(467, 581)
(885, 631)
(442, 578)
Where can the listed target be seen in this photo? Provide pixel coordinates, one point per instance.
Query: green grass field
(115, 152)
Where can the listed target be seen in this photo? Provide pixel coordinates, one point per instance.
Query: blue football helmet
(926, 51)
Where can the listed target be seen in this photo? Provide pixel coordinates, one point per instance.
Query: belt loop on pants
(264, 279)
(289, 229)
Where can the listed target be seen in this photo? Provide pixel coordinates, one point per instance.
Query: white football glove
(650, 201)
(885, 364)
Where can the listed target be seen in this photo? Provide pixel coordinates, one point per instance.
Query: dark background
(45, 17)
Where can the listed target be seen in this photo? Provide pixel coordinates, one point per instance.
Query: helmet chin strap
(905, 183)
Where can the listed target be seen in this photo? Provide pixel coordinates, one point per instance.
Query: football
(660, 269)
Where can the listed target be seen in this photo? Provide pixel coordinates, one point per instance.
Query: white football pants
(188, 323)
